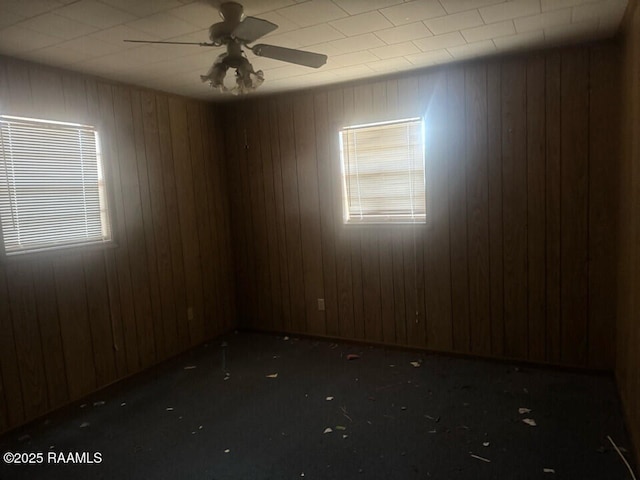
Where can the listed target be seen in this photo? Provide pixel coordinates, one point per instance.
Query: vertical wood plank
(191, 257)
(603, 205)
(552, 205)
(328, 188)
(346, 321)
(218, 192)
(104, 123)
(575, 205)
(437, 246)
(12, 390)
(261, 316)
(165, 327)
(280, 212)
(536, 187)
(369, 251)
(354, 235)
(132, 219)
(206, 244)
(49, 325)
(292, 214)
(123, 272)
(26, 332)
(310, 230)
(74, 325)
(271, 224)
(99, 317)
(477, 208)
(458, 209)
(387, 331)
(494, 151)
(514, 175)
(155, 326)
(173, 219)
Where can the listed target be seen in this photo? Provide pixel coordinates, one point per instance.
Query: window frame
(79, 247)
(382, 223)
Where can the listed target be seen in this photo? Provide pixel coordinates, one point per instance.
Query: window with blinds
(383, 172)
(52, 191)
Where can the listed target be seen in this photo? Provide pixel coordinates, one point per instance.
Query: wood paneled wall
(628, 338)
(517, 258)
(75, 321)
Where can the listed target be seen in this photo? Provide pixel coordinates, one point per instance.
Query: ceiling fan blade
(202, 44)
(299, 57)
(252, 28)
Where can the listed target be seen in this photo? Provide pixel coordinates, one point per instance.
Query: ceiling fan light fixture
(247, 79)
(215, 75)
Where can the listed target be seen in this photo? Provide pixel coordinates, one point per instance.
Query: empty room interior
(326, 239)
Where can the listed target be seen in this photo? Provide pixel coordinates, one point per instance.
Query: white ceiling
(363, 38)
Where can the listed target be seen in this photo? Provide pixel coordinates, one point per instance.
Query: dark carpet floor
(389, 419)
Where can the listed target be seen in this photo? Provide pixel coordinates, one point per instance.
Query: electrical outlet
(321, 304)
(190, 313)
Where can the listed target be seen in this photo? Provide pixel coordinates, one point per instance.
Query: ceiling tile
(314, 35)
(95, 13)
(509, 10)
(349, 59)
(355, 44)
(305, 36)
(451, 23)
(543, 20)
(57, 26)
(58, 55)
(404, 33)
(284, 24)
(438, 42)
(15, 39)
(287, 71)
(609, 25)
(476, 49)
(397, 50)
(411, 11)
(163, 26)
(200, 14)
(596, 11)
(363, 23)
(9, 18)
(313, 12)
(28, 8)
(429, 58)
(520, 41)
(353, 72)
(137, 56)
(489, 31)
(568, 34)
(198, 36)
(257, 7)
(390, 65)
(92, 47)
(548, 5)
(142, 8)
(116, 35)
(354, 7)
(455, 6)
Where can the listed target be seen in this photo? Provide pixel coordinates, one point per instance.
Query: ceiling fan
(235, 32)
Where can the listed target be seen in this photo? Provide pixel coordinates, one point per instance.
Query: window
(383, 172)
(52, 191)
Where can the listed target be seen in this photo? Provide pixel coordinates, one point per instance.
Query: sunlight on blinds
(52, 190)
(383, 172)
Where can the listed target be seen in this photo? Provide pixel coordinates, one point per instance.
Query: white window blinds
(383, 172)
(52, 191)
